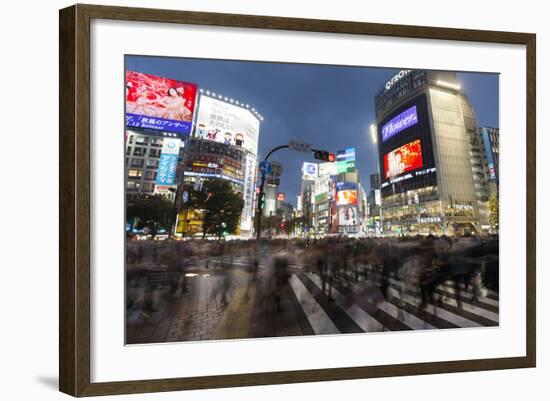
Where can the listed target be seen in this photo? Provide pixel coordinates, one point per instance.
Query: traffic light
(324, 155)
(261, 200)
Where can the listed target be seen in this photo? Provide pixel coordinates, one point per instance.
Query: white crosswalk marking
(322, 323)
(318, 319)
(465, 306)
(368, 323)
(442, 313)
(488, 301)
(410, 320)
(405, 317)
(359, 316)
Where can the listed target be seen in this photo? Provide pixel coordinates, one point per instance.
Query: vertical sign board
(489, 154)
(166, 173)
(248, 192)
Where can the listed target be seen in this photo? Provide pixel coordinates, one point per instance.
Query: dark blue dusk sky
(330, 107)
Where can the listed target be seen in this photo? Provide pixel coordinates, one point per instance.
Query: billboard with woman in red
(159, 103)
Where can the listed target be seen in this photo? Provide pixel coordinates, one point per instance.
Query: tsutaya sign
(396, 77)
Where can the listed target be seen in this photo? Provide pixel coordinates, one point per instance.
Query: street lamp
(373, 134)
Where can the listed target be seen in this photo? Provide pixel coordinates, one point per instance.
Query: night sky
(330, 107)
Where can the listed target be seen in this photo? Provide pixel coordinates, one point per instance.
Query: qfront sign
(402, 121)
(401, 74)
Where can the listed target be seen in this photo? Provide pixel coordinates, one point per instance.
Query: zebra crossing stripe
(491, 293)
(486, 304)
(410, 320)
(405, 317)
(489, 301)
(466, 306)
(341, 319)
(440, 312)
(359, 316)
(317, 317)
(413, 309)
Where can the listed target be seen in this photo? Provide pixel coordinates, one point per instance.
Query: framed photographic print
(250, 200)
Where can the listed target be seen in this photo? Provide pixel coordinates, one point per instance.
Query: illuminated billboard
(227, 123)
(346, 154)
(345, 160)
(402, 121)
(215, 164)
(328, 168)
(346, 197)
(348, 216)
(405, 158)
(347, 166)
(159, 103)
(281, 196)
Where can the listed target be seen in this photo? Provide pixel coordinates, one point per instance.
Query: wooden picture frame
(74, 204)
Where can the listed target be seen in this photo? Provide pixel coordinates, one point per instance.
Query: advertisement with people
(405, 158)
(227, 123)
(159, 103)
(347, 216)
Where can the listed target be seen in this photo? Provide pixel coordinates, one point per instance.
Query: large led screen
(159, 103)
(346, 197)
(348, 216)
(402, 121)
(405, 158)
(227, 123)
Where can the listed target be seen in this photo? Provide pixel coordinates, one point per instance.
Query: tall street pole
(261, 194)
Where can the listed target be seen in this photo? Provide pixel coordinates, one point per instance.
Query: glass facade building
(432, 169)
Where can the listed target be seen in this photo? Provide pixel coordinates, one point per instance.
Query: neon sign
(402, 121)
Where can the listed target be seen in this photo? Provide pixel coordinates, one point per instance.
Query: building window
(147, 187)
(154, 152)
(152, 163)
(138, 151)
(134, 173)
(150, 175)
(132, 186)
(142, 140)
(157, 142)
(137, 163)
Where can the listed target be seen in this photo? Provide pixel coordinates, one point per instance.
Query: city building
(143, 152)
(490, 140)
(332, 199)
(432, 171)
(223, 145)
(375, 181)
